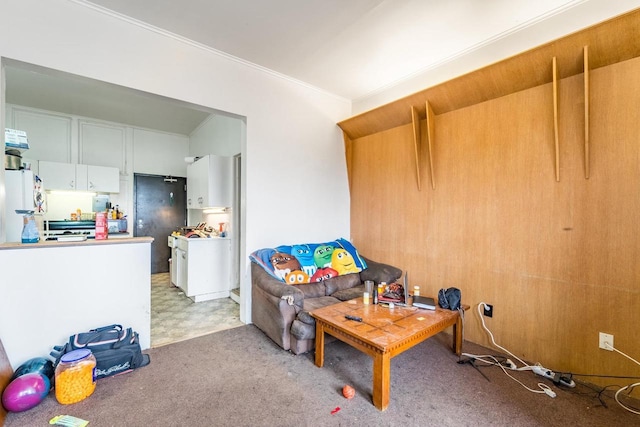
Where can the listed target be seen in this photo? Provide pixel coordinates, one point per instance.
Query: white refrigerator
(24, 192)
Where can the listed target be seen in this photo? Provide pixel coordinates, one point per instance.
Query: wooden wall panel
(558, 260)
(609, 42)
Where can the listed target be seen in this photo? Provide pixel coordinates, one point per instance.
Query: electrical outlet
(488, 310)
(606, 338)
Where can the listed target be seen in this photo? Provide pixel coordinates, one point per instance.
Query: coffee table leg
(457, 336)
(319, 344)
(381, 380)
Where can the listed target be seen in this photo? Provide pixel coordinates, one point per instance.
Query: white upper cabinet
(197, 176)
(103, 179)
(58, 176)
(102, 144)
(50, 135)
(210, 182)
(76, 177)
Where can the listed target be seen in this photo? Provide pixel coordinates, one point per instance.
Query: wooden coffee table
(383, 333)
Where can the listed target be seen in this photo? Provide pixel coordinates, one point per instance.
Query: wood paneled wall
(558, 260)
(609, 42)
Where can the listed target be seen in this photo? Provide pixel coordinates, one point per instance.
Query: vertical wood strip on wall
(586, 113)
(348, 153)
(415, 118)
(555, 117)
(430, 139)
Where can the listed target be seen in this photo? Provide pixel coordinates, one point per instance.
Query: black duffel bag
(117, 350)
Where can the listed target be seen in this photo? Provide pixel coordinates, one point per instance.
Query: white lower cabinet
(203, 267)
(173, 270)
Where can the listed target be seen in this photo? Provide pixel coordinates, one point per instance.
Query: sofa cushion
(305, 317)
(303, 331)
(341, 282)
(350, 293)
(309, 262)
(311, 304)
(380, 272)
(312, 290)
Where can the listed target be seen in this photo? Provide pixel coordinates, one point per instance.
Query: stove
(53, 229)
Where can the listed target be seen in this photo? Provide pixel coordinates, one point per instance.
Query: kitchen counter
(51, 290)
(201, 238)
(89, 242)
(201, 266)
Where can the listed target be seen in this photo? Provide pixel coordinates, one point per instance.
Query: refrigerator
(24, 192)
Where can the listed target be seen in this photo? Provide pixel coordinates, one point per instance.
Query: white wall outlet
(608, 339)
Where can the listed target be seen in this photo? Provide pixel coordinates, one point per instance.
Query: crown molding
(209, 49)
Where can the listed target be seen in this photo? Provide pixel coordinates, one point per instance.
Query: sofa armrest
(275, 287)
(380, 272)
(274, 306)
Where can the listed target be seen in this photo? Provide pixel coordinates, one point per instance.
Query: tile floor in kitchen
(174, 317)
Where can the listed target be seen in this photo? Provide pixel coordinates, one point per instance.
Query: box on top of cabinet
(17, 139)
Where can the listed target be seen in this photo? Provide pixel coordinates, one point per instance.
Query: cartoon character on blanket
(310, 263)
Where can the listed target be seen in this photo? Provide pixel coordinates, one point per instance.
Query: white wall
(219, 135)
(294, 156)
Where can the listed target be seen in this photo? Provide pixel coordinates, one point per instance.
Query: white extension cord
(631, 386)
(509, 364)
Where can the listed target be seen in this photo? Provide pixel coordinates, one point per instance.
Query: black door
(160, 205)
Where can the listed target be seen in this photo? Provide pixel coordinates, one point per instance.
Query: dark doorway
(160, 205)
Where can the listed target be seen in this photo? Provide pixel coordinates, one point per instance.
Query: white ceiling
(350, 48)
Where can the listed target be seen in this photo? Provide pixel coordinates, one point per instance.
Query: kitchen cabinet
(50, 134)
(103, 179)
(78, 177)
(173, 270)
(102, 144)
(210, 182)
(57, 176)
(181, 269)
(203, 267)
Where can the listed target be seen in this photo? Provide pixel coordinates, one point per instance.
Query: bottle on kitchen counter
(102, 230)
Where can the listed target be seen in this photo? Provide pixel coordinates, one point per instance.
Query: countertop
(200, 238)
(48, 244)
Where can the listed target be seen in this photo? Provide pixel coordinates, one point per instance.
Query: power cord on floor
(601, 392)
(537, 369)
(628, 387)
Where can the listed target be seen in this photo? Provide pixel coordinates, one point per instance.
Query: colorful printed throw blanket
(310, 262)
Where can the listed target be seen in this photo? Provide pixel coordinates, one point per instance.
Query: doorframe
(236, 219)
(134, 200)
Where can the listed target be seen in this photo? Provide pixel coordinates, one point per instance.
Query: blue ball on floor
(37, 365)
(25, 392)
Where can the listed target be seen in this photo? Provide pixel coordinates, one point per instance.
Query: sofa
(281, 310)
